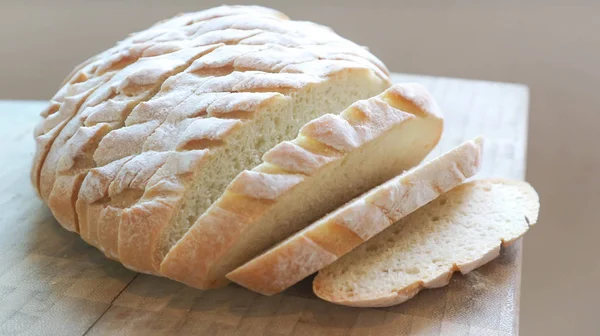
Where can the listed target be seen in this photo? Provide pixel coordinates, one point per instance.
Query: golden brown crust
(63, 197)
(266, 277)
(146, 220)
(90, 205)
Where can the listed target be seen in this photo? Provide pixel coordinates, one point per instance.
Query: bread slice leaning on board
(333, 159)
(144, 137)
(336, 234)
(459, 231)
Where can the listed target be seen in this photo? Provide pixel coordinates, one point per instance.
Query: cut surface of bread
(459, 231)
(336, 234)
(334, 158)
(146, 135)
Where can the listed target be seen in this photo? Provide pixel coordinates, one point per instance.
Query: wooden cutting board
(52, 283)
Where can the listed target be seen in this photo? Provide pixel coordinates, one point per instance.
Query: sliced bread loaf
(336, 234)
(144, 137)
(334, 158)
(460, 231)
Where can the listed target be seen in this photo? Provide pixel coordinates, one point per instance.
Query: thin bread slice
(338, 233)
(460, 231)
(334, 158)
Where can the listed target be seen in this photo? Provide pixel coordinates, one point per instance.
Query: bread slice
(175, 112)
(460, 231)
(334, 159)
(336, 234)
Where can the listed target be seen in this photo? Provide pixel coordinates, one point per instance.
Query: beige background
(552, 46)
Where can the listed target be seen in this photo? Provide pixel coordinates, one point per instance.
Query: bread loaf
(336, 234)
(172, 153)
(460, 231)
(334, 159)
(145, 136)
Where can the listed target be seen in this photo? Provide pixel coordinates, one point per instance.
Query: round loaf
(143, 137)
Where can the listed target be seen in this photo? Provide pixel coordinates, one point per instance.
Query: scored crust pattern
(130, 125)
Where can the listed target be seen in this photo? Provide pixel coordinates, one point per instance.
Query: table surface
(52, 282)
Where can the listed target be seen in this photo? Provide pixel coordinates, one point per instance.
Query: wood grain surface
(53, 283)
